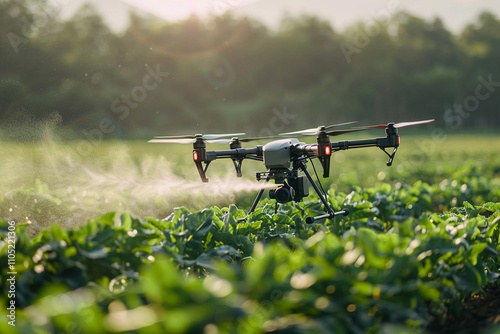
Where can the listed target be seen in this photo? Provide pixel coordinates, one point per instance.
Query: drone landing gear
(294, 189)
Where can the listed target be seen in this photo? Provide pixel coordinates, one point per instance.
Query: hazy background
(341, 14)
(240, 64)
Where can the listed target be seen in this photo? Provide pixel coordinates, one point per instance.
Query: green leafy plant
(383, 264)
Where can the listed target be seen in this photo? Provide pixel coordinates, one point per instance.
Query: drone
(285, 159)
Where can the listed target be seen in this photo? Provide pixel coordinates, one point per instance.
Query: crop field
(52, 182)
(126, 238)
(103, 232)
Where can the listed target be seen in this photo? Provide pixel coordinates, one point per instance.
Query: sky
(341, 13)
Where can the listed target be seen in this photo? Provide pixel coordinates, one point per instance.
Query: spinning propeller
(398, 125)
(315, 131)
(328, 130)
(189, 139)
(229, 138)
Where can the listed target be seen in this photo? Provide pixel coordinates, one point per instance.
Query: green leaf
(467, 279)
(126, 221)
(367, 240)
(429, 292)
(94, 254)
(225, 252)
(204, 228)
(471, 210)
(107, 219)
(475, 250)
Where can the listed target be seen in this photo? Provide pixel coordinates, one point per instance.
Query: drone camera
(296, 190)
(282, 194)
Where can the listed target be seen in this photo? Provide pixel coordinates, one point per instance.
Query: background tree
(228, 72)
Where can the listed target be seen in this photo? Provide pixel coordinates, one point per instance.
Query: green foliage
(383, 264)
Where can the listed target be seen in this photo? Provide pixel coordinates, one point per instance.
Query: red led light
(328, 150)
(195, 156)
(399, 140)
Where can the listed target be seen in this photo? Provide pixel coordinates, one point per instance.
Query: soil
(479, 314)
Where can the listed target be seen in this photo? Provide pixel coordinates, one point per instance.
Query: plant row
(390, 262)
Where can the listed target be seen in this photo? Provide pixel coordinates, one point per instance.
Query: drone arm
(256, 158)
(201, 155)
(312, 149)
(392, 140)
(349, 144)
(382, 142)
(239, 153)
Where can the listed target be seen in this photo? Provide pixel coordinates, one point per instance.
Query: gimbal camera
(285, 159)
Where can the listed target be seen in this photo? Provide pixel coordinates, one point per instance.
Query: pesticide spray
(49, 182)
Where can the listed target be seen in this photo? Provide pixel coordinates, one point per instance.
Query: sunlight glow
(174, 10)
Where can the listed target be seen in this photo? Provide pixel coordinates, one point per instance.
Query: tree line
(227, 73)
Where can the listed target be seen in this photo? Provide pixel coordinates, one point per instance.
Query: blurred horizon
(340, 14)
(231, 72)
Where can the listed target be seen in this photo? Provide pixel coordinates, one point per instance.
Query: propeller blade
(403, 124)
(397, 125)
(242, 140)
(170, 140)
(173, 141)
(176, 137)
(208, 136)
(380, 126)
(219, 141)
(341, 132)
(327, 128)
(248, 139)
(314, 131)
(224, 135)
